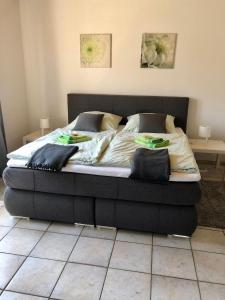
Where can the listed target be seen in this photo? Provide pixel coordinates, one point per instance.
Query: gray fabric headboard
(125, 105)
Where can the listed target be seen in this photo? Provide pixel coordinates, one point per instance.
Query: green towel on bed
(151, 142)
(72, 139)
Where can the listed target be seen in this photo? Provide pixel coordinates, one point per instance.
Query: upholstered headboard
(125, 105)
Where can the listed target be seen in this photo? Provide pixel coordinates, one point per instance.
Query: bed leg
(179, 236)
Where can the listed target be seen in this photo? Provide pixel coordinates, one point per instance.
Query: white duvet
(112, 149)
(89, 152)
(121, 150)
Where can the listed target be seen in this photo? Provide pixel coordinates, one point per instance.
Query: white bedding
(89, 152)
(115, 161)
(108, 171)
(121, 149)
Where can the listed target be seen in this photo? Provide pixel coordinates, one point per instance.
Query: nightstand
(34, 136)
(212, 147)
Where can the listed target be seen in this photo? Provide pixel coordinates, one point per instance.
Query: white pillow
(134, 121)
(109, 121)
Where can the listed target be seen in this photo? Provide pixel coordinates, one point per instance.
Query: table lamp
(44, 124)
(204, 132)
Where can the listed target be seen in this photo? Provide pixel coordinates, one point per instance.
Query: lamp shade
(44, 123)
(204, 131)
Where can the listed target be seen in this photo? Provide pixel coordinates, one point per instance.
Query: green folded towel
(152, 142)
(72, 139)
(149, 139)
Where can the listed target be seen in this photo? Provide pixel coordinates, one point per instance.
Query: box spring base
(124, 214)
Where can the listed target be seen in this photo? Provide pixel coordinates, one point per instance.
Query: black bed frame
(102, 200)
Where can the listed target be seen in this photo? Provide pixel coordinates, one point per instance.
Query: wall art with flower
(158, 50)
(95, 50)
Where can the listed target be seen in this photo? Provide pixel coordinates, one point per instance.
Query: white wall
(51, 31)
(12, 77)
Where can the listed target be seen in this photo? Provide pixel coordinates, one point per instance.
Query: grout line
(26, 256)
(11, 228)
(45, 297)
(189, 249)
(106, 273)
(192, 253)
(196, 250)
(151, 269)
(65, 263)
(96, 237)
(128, 270)
(86, 264)
(193, 280)
(79, 235)
(175, 277)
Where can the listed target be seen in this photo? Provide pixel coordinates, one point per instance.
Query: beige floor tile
(80, 282)
(54, 246)
(65, 228)
(208, 240)
(116, 285)
(210, 267)
(134, 236)
(168, 288)
(15, 296)
(211, 291)
(20, 241)
(4, 230)
(6, 219)
(9, 264)
(36, 277)
(171, 241)
(99, 232)
(131, 256)
(173, 262)
(92, 251)
(33, 224)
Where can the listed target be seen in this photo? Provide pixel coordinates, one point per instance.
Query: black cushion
(154, 123)
(89, 122)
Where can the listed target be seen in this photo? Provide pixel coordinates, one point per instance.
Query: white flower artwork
(158, 50)
(95, 50)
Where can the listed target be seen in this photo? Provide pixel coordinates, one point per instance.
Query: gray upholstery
(124, 105)
(102, 186)
(167, 219)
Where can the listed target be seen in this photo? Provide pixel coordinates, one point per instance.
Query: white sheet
(108, 171)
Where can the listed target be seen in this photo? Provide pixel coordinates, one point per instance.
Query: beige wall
(12, 79)
(51, 31)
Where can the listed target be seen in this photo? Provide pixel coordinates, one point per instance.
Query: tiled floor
(43, 260)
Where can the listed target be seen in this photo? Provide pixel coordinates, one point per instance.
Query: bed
(105, 199)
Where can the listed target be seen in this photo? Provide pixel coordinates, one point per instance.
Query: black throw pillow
(89, 122)
(153, 123)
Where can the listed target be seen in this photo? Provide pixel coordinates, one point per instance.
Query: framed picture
(158, 50)
(95, 50)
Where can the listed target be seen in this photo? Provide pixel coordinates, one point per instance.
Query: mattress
(109, 171)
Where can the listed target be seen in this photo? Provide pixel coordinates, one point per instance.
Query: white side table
(212, 147)
(34, 136)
